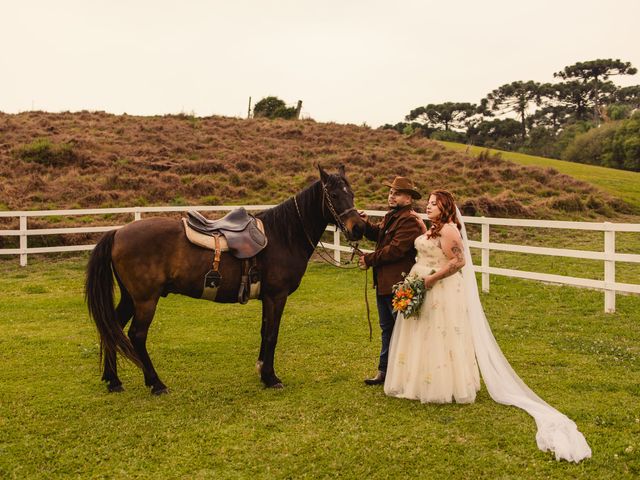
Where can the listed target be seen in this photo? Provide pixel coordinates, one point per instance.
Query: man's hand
(429, 282)
(361, 263)
(363, 215)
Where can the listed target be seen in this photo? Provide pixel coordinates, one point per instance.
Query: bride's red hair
(447, 205)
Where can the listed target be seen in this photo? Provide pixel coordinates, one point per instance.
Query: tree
(447, 115)
(504, 134)
(273, 107)
(575, 97)
(628, 96)
(614, 144)
(413, 128)
(516, 97)
(551, 117)
(592, 72)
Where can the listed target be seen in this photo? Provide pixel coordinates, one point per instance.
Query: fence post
(336, 245)
(485, 257)
(23, 241)
(136, 214)
(609, 269)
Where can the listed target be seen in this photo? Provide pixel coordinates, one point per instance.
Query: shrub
(508, 173)
(614, 144)
(407, 130)
(568, 203)
(448, 136)
(618, 111)
(273, 107)
(501, 206)
(45, 152)
(596, 204)
(234, 178)
(210, 200)
(589, 146)
(258, 183)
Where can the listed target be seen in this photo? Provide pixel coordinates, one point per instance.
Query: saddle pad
(207, 241)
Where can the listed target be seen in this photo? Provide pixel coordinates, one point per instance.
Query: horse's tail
(99, 297)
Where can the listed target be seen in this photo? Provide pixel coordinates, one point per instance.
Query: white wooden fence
(608, 256)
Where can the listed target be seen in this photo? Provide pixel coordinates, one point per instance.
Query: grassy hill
(621, 183)
(95, 159)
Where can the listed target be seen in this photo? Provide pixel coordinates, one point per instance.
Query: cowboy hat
(403, 184)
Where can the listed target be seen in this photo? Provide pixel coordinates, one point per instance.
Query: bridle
(337, 217)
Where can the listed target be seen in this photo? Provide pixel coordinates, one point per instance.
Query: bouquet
(408, 295)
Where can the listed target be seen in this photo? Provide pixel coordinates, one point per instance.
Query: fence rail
(609, 256)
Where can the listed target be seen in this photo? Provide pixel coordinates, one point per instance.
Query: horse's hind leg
(124, 312)
(144, 311)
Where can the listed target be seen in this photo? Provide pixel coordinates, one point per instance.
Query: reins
(326, 256)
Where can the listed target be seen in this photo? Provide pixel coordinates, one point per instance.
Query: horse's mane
(283, 219)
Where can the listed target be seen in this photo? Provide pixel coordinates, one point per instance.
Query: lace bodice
(430, 253)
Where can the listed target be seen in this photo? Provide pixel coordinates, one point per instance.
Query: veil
(556, 432)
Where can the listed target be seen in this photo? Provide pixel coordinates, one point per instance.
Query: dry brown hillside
(94, 159)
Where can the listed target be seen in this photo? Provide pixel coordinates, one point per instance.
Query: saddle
(239, 233)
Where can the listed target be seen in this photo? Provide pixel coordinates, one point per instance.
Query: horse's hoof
(277, 386)
(115, 388)
(159, 390)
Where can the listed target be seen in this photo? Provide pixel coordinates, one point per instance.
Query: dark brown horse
(152, 258)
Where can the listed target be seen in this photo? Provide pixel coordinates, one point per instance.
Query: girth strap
(216, 257)
(249, 281)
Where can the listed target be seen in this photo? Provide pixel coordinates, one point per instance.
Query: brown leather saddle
(239, 228)
(237, 232)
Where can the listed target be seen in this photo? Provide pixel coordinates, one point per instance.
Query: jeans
(387, 322)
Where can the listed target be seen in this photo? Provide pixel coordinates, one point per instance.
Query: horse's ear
(324, 176)
(342, 172)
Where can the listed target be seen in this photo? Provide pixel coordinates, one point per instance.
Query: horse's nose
(357, 231)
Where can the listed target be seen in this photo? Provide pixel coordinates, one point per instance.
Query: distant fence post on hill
(609, 257)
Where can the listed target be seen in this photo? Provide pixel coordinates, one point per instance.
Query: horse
(152, 258)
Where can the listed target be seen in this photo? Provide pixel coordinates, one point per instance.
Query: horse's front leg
(263, 335)
(272, 308)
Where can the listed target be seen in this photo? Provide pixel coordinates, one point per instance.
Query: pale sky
(348, 61)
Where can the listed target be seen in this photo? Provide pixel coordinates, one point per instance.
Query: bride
(434, 357)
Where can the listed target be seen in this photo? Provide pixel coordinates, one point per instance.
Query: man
(394, 255)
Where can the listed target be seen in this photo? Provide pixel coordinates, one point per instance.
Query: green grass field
(56, 419)
(621, 183)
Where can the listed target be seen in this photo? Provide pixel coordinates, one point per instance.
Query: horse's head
(338, 204)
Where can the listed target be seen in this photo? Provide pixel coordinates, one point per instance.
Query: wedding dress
(556, 433)
(431, 354)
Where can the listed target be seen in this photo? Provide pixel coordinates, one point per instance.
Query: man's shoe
(377, 380)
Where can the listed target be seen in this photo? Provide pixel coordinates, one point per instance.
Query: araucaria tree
(549, 119)
(447, 115)
(517, 97)
(594, 73)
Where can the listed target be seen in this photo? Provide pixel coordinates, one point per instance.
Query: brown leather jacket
(394, 254)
